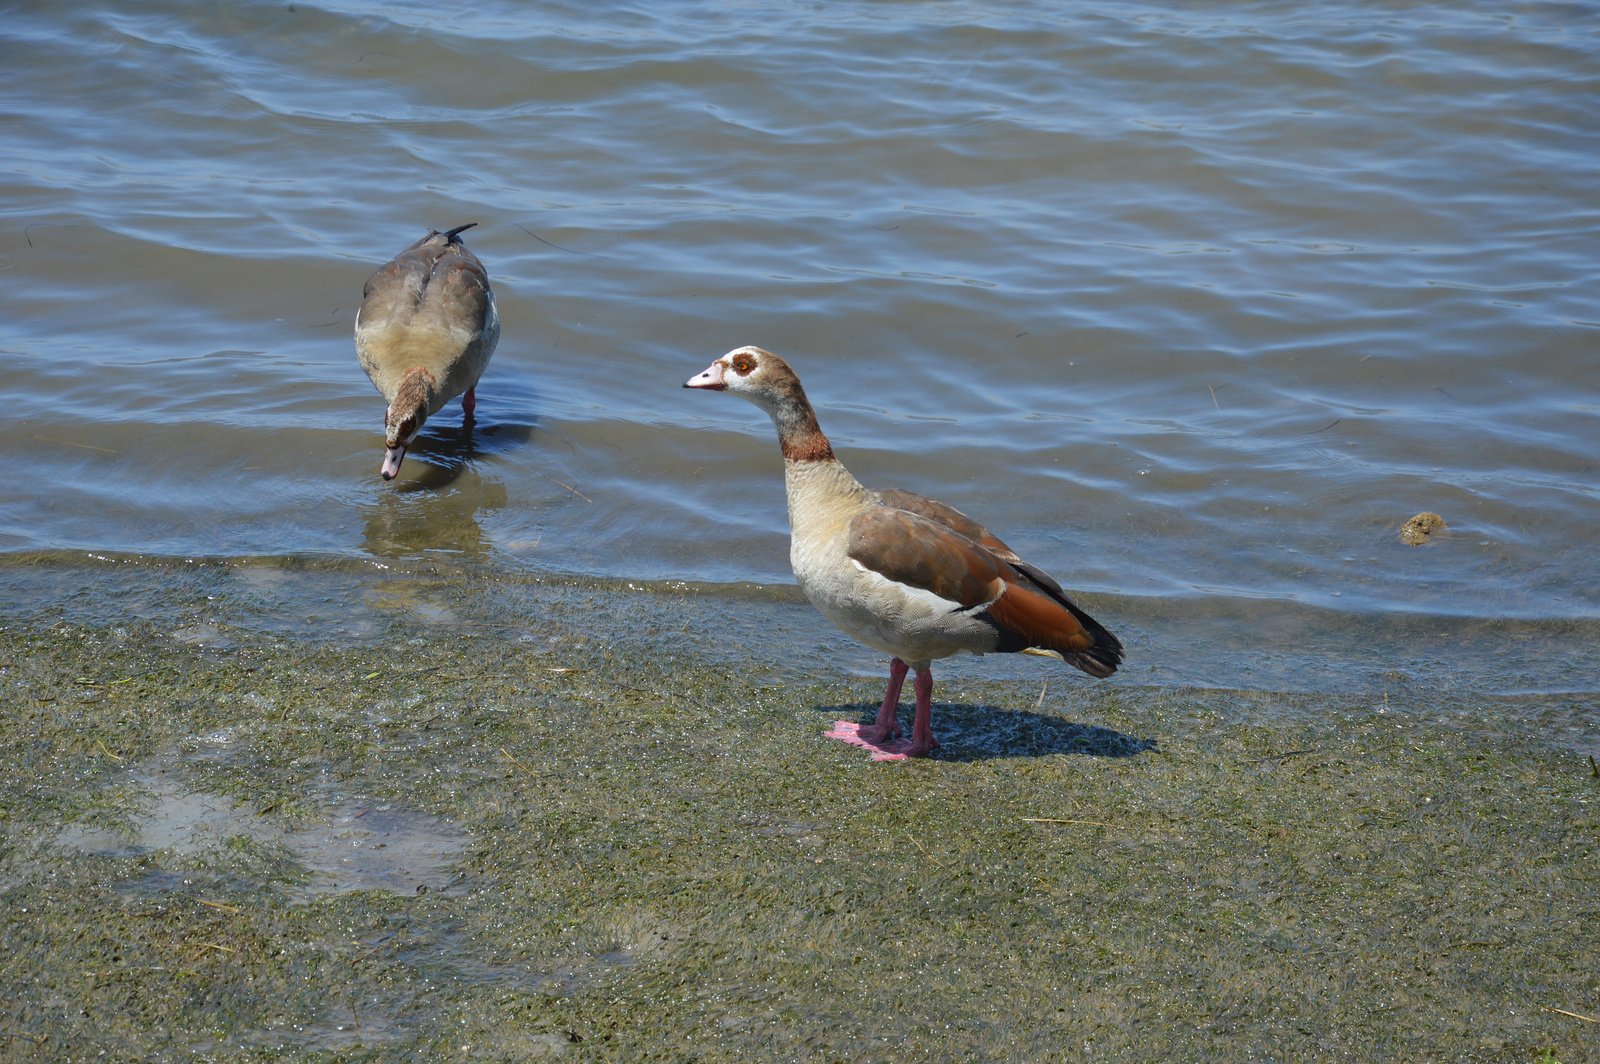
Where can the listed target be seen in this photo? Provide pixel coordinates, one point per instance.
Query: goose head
(751, 373)
(404, 418)
(767, 381)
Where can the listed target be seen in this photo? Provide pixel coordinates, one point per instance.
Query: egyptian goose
(424, 333)
(907, 575)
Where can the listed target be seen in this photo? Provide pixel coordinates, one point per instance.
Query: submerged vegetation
(469, 835)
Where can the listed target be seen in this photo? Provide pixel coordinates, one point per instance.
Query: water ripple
(1163, 294)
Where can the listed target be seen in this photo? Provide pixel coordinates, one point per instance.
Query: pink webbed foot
(890, 750)
(883, 738)
(883, 744)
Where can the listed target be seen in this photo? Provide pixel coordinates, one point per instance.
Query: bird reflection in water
(435, 505)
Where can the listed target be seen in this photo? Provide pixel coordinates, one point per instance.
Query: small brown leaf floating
(1419, 528)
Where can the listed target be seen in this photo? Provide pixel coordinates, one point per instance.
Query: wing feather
(927, 545)
(915, 551)
(949, 517)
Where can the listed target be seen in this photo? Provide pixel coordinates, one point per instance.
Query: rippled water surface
(1183, 304)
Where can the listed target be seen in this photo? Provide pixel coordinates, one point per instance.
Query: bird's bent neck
(798, 432)
(415, 393)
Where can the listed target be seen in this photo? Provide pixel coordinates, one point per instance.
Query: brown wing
(950, 554)
(461, 284)
(949, 517)
(396, 288)
(954, 519)
(439, 266)
(919, 553)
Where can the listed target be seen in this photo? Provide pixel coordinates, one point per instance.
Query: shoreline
(636, 845)
(1215, 642)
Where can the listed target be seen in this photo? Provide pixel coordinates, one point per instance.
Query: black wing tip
(1098, 661)
(1101, 659)
(452, 238)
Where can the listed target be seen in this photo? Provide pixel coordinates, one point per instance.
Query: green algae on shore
(634, 856)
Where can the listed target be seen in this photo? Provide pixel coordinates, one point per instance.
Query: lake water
(1193, 308)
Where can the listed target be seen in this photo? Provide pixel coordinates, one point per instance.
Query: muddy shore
(608, 828)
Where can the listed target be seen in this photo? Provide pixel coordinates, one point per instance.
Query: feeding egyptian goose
(909, 576)
(424, 333)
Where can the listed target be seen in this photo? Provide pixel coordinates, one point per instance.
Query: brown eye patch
(743, 364)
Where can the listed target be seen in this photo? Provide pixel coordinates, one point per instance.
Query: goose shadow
(979, 733)
(447, 451)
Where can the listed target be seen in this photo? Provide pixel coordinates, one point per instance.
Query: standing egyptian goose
(424, 333)
(902, 573)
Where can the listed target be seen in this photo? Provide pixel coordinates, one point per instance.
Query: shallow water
(1187, 307)
(352, 845)
(1252, 645)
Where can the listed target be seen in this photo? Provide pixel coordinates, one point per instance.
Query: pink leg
(885, 728)
(922, 741)
(469, 402)
(883, 736)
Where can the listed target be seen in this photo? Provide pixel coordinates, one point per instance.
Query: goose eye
(743, 365)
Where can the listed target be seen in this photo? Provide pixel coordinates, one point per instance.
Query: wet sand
(609, 828)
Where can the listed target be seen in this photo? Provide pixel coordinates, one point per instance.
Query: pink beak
(711, 378)
(392, 460)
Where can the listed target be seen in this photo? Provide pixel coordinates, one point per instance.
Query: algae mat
(457, 839)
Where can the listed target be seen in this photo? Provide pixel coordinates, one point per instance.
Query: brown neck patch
(798, 432)
(413, 392)
(813, 448)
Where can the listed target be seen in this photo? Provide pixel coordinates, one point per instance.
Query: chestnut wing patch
(920, 553)
(1040, 621)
